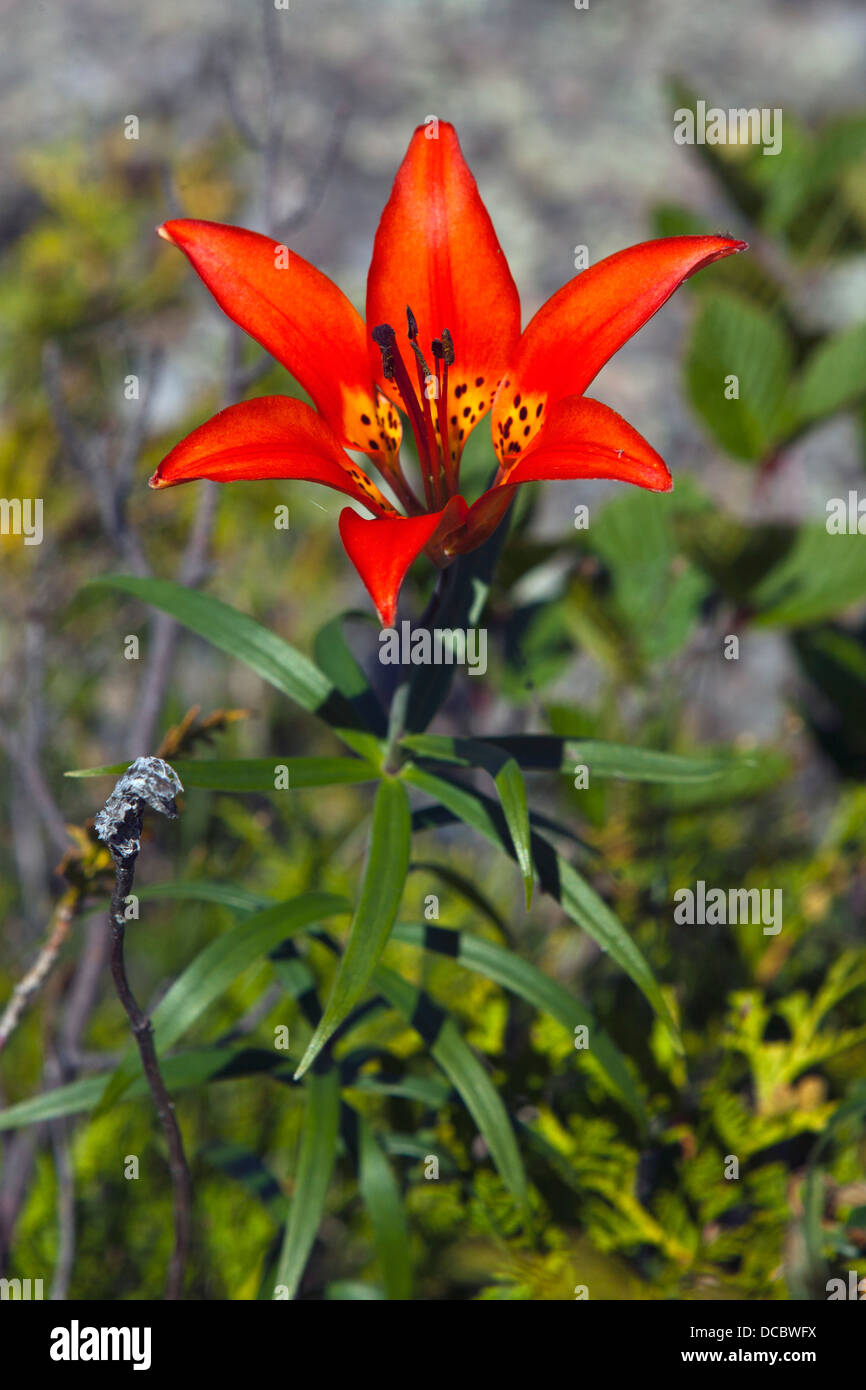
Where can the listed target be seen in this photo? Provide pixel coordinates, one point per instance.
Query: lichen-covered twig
(153, 783)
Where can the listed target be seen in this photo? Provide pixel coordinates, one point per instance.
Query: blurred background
(293, 122)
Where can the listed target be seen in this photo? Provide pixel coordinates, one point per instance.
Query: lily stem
(143, 1033)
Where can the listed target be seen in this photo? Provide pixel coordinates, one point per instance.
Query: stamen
(424, 375)
(394, 369)
(443, 352)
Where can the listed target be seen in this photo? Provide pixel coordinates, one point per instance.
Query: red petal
(297, 314)
(581, 439)
(581, 326)
(436, 251)
(272, 437)
(382, 551)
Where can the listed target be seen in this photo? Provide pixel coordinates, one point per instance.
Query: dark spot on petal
(374, 444)
(365, 419)
(479, 381)
(523, 412)
(526, 431)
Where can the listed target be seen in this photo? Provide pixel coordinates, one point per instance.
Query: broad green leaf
(733, 337)
(466, 1074)
(315, 1165)
(216, 967)
(656, 590)
(258, 774)
(240, 636)
(507, 969)
(821, 575)
(560, 880)
(381, 891)
(381, 1196)
(834, 377)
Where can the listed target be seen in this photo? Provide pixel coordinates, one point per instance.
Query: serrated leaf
(834, 377)
(732, 337)
(820, 576)
(657, 591)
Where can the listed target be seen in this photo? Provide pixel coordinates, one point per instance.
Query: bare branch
(61, 924)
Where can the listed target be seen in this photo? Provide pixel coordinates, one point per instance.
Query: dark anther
(384, 337)
(448, 346)
(412, 322)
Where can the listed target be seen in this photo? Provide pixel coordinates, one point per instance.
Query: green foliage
(455, 1042)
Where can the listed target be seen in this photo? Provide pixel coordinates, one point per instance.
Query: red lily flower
(437, 266)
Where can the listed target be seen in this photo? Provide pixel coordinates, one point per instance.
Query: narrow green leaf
(240, 636)
(197, 1067)
(381, 1197)
(466, 1074)
(315, 1165)
(509, 783)
(512, 795)
(507, 969)
(560, 880)
(336, 659)
(381, 891)
(216, 967)
(206, 891)
(546, 752)
(258, 774)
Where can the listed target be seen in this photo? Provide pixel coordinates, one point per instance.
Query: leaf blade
(381, 890)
